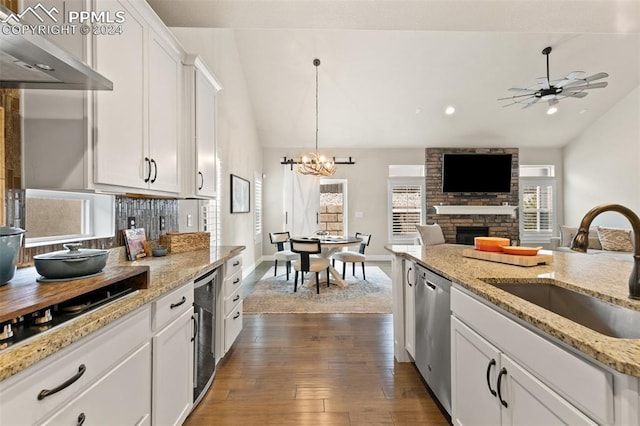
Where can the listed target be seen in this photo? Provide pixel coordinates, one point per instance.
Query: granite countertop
(166, 274)
(591, 274)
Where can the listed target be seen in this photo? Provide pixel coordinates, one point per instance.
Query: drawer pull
(492, 363)
(181, 302)
(237, 315)
(195, 327)
(235, 299)
(236, 281)
(81, 419)
(236, 263)
(503, 372)
(46, 392)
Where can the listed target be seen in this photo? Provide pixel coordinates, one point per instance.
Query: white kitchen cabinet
(120, 397)
(165, 105)
(121, 115)
(201, 88)
(495, 359)
(410, 307)
(90, 376)
(233, 314)
(489, 388)
(138, 132)
(172, 394)
(124, 140)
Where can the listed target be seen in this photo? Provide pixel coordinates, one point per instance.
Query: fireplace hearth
(466, 234)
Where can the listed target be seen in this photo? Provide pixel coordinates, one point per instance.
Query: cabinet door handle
(503, 372)
(201, 180)
(236, 263)
(81, 419)
(237, 315)
(408, 280)
(195, 327)
(181, 302)
(492, 363)
(46, 392)
(148, 162)
(235, 299)
(155, 170)
(236, 281)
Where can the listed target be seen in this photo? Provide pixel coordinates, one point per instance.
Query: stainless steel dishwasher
(433, 333)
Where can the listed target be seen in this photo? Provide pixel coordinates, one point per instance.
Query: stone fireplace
(496, 212)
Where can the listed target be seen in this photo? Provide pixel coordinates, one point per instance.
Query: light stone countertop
(166, 274)
(591, 274)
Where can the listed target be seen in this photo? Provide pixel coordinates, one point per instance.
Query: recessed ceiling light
(552, 110)
(449, 110)
(582, 111)
(418, 110)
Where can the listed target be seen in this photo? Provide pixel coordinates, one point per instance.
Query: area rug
(274, 295)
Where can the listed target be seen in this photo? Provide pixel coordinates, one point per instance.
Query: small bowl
(521, 251)
(490, 243)
(159, 251)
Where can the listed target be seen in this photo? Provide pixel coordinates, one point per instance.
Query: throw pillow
(568, 232)
(614, 239)
(430, 234)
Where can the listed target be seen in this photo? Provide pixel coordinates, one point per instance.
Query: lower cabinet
(105, 378)
(232, 291)
(121, 397)
(172, 394)
(489, 388)
(504, 373)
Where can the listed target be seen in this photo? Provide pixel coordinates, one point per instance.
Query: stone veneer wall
(499, 225)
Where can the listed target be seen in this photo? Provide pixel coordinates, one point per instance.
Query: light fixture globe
(313, 163)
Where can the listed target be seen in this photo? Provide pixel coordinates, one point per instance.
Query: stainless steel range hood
(29, 61)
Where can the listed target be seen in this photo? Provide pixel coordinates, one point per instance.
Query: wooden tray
(511, 259)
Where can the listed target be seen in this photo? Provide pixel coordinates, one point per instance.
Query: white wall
(543, 157)
(367, 189)
(602, 164)
(239, 149)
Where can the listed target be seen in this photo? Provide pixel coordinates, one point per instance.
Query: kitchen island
(166, 274)
(547, 366)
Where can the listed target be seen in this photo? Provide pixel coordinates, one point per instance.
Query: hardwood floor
(315, 369)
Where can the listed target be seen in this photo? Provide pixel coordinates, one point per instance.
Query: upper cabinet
(201, 88)
(125, 140)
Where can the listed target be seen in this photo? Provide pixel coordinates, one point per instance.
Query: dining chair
(352, 256)
(307, 263)
(282, 254)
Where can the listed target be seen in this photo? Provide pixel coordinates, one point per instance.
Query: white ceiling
(390, 67)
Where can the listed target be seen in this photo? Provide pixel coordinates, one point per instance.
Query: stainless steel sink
(591, 312)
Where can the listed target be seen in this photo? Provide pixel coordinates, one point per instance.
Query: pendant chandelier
(314, 163)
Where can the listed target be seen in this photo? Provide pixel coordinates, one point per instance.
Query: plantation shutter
(538, 215)
(406, 210)
(258, 207)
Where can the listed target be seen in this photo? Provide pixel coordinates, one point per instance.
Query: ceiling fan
(571, 86)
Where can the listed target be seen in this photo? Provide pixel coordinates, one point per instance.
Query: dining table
(329, 244)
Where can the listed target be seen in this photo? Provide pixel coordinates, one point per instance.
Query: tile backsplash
(146, 211)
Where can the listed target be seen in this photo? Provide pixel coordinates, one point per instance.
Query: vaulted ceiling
(389, 68)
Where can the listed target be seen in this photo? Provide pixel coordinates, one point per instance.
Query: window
(405, 209)
(538, 213)
(53, 217)
(257, 180)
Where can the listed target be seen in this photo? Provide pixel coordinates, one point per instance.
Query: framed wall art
(240, 195)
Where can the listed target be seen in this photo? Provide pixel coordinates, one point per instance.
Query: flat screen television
(476, 173)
